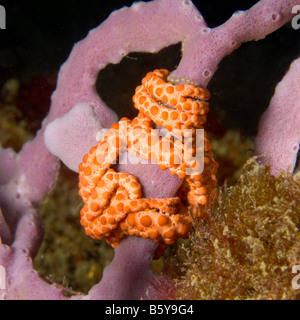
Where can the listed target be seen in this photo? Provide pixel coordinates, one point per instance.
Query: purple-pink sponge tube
(77, 114)
(278, 137)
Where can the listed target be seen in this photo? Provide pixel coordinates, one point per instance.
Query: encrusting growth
(114, 206)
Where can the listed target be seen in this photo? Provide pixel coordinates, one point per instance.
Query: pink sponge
(278, 136)
(71, 136)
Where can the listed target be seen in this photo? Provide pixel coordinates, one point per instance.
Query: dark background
(39, 36)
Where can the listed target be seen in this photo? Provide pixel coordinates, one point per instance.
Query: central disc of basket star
(114, 206)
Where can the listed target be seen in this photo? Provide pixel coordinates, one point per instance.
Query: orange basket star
(114, 206)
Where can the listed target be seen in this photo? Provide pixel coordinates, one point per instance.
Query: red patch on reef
(34, 98)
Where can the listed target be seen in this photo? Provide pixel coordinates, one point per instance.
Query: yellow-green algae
(247, 248)
(13, 127)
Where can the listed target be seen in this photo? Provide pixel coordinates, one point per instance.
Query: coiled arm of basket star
(113, 204)
(177, 108)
